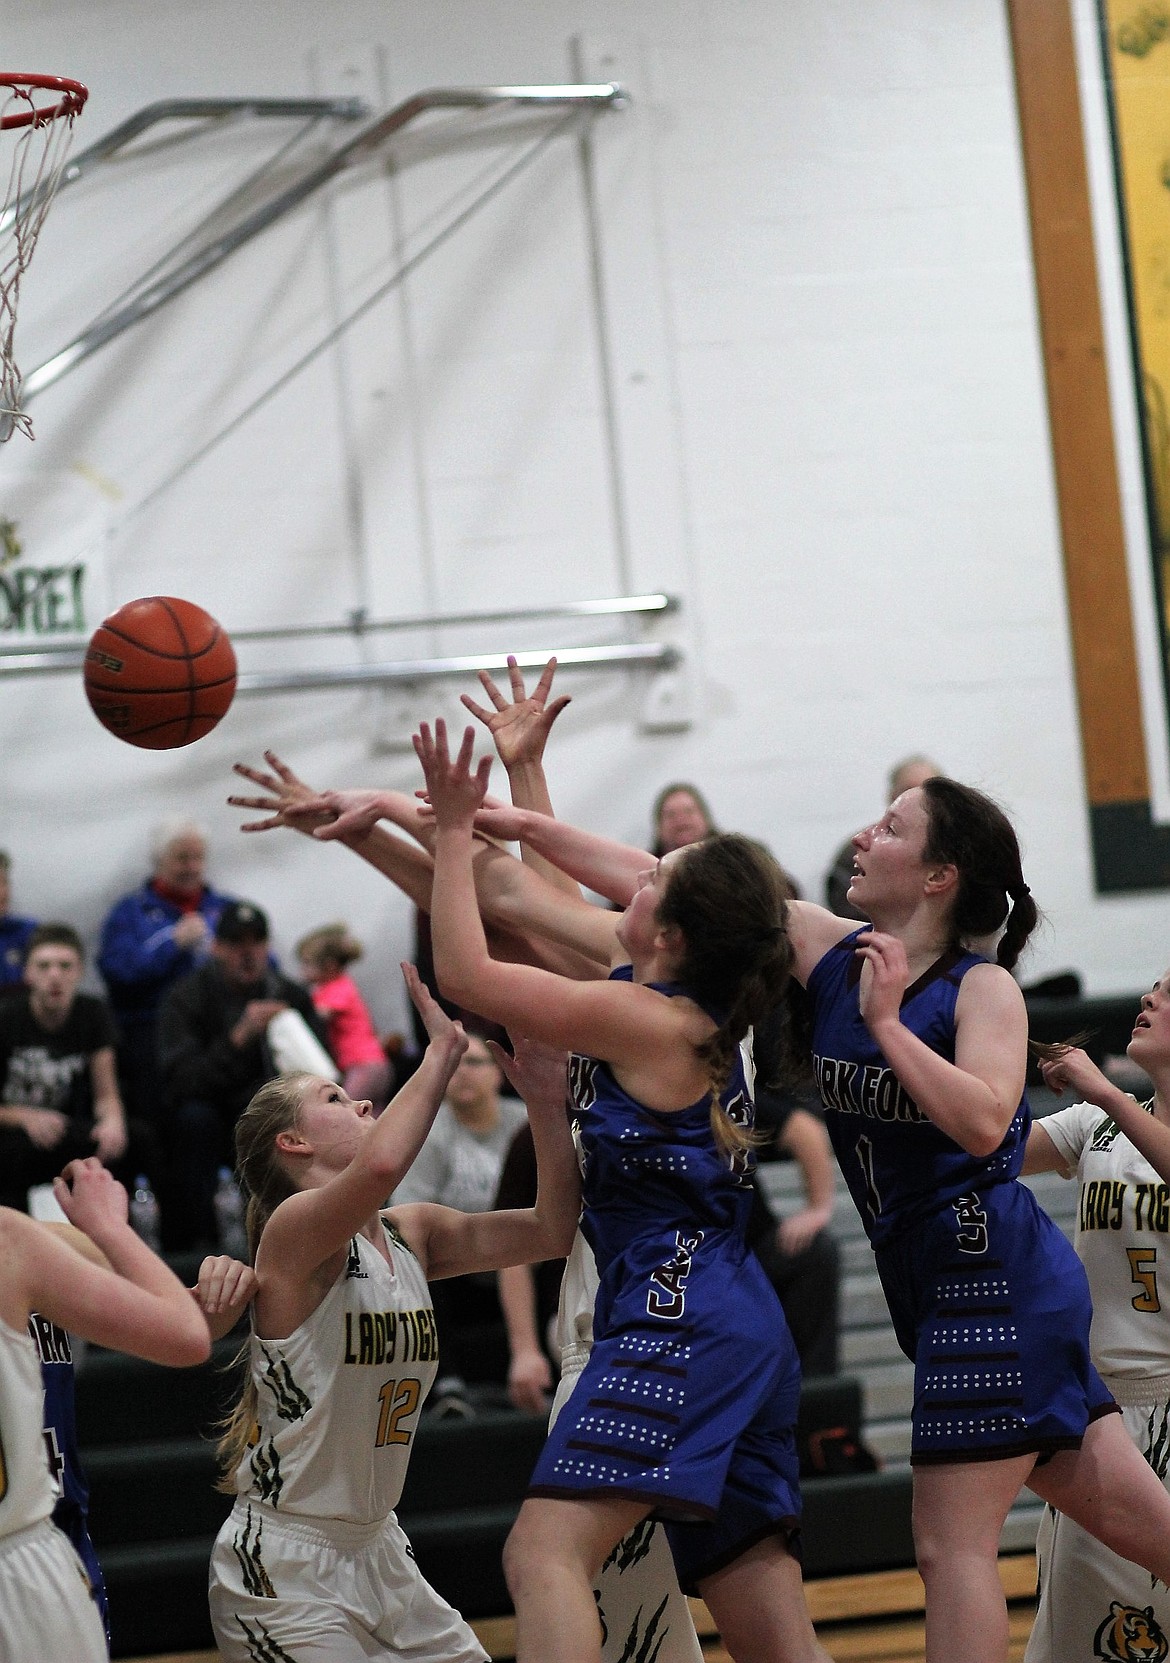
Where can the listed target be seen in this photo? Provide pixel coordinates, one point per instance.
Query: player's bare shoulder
(812, 931)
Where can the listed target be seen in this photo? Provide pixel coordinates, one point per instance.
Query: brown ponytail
(728, 898)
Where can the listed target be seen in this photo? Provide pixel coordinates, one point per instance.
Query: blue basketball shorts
(992, 1304)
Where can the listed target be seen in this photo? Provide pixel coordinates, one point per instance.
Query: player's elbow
(188, 1340)
(555, 1233)
(984, 1137)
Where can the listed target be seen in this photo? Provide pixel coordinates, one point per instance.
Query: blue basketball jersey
(688, 1401)
(899, 1166)
(655, 1173)
(71, 1512)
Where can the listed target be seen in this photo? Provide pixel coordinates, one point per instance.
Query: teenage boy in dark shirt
(59, 1097)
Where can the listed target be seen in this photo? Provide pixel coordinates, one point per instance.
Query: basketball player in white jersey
(138, 1306)
(312, 1564)
(1092, 1603)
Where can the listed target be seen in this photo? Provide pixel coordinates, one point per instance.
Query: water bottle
(144, 1212)
(229, 1216)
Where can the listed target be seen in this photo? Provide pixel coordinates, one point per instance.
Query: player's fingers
(257, 776)
(516, 680)
(477, 710)
(281, 768)
(466, 747)
(492, 691)
(262, 825)
(553, 710)
(540, 691)
(483, 772)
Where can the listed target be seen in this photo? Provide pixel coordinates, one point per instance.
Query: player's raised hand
(519, 729)
(445, 1035)
(538, 1073)
(288, 801)
(355, 813)
(454, 792)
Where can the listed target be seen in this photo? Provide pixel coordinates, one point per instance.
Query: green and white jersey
(1123, 1239)
(339, 1399)
(26, 1489)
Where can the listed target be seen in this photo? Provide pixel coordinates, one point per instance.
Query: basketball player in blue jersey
(685, 1409)
(920, 1050)
(920, 1053)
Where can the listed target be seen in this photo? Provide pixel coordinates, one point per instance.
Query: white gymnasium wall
(831, 433)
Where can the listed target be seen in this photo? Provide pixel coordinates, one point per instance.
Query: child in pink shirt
(366, 1071)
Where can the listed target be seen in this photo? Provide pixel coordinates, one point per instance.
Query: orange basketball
(160, 672)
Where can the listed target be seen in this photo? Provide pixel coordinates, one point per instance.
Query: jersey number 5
(398, 1398)
(1142, 1262)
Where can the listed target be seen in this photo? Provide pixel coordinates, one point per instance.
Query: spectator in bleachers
(459, 1166)
(151, 938)
(14, 932)
(904, 776)
(213, 1056)
(680, 816)
(59, 1098)
(324, 956)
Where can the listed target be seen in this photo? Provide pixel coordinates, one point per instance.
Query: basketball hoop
(39, 111)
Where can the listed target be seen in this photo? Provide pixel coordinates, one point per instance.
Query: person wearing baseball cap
(213, 1056)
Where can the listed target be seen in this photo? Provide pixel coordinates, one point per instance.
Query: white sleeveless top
(26, 1489)
(1123, 1238)
(339, 1399)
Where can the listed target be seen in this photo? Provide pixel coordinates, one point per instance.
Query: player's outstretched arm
(308, 1228)
(1075, 1070)
(137, 1305)
(520, 731)
(451, 1243)
(611, 869)
(289, 802)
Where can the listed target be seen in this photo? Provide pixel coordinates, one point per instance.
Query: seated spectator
(911, 771)
(14, 932)
(355, 1047)
(459, 1166)
(528, 1294)
(59, 1096)
(150, 939)
(680, 816)
(213, 1057)
(800, 1257)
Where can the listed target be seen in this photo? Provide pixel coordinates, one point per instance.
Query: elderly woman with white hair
(159, 932)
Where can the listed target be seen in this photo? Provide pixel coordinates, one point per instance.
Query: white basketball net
(37, 155)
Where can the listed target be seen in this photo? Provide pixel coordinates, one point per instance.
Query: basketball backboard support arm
(204, 110)
(364, 143)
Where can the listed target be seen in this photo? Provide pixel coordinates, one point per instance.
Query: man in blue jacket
(151, 939)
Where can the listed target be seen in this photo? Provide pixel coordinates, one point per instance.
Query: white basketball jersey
(1123, 1238)
(26, 1489)
(339, 1399)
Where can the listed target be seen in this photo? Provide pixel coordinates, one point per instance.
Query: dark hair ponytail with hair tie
(969, 831)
